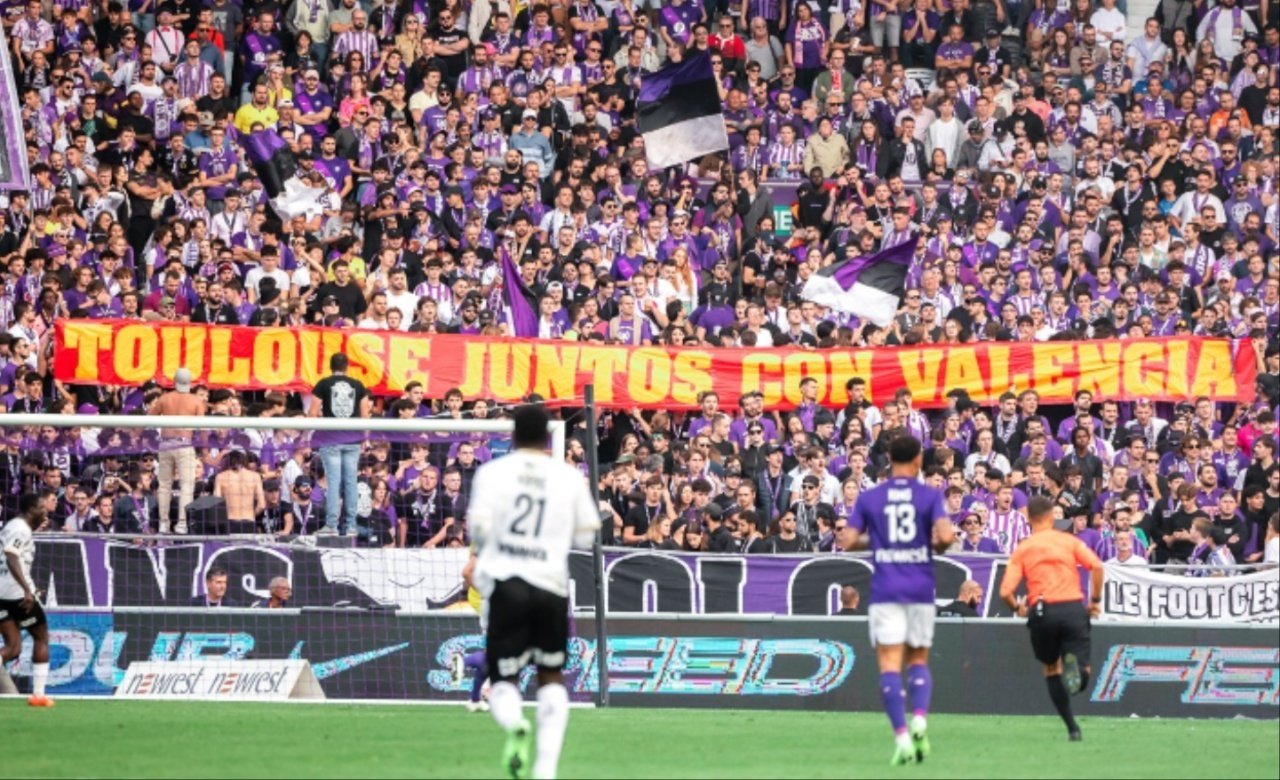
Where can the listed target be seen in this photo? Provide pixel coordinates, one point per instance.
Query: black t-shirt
(813, 202)
(1181, 520)
(1090, 467)
(639, 517)
(723, 541)
(141, 124)
(351, 303)
(779, 545)
(222, 106)
(340, 396)
(957, 609)
(454, 64)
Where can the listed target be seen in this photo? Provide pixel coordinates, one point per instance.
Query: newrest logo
(699, 666)
(201, 681)
(1206, 674)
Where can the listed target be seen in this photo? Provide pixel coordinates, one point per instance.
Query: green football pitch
(86, 738)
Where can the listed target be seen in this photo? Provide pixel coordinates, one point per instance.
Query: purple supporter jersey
(899, 516)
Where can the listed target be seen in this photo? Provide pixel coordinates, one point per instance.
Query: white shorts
(902, 624)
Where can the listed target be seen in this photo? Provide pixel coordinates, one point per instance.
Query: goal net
(379, 609)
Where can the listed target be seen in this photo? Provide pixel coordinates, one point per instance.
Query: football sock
(479, 673)
(919, 690)
(895, 705)
(553, 720)
(1061, 700)
(505, 703)
(39, 676)
(7, 686)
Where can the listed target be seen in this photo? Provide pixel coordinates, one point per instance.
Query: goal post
(376, 615)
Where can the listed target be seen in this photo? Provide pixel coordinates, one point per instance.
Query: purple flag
(271, 158)
(14, 173)
(522, 304)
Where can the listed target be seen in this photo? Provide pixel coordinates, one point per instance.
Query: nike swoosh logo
(326, 669)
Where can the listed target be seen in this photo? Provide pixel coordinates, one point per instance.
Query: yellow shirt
(248, 115)
(274, 98)
(357, 266)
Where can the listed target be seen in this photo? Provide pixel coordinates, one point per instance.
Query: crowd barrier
(138, 572)
(986, 667)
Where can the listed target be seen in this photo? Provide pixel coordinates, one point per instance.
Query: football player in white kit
(527, 511)
(20, 608)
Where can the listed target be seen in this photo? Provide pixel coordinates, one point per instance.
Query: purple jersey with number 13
(899, 516)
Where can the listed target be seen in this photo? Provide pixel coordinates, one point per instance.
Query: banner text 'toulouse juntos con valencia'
(115, 352)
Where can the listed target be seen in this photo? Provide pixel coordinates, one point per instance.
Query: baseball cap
(811, 481)
(975, 127)
(713, 512)
(302, 482)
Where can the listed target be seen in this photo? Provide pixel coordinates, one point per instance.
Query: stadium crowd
(1065, 180)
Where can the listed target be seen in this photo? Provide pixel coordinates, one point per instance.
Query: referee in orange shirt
(1054, 606)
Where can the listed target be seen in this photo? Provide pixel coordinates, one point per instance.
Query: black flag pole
(593, 476)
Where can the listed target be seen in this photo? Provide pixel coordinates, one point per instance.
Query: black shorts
(526, 625)
(1058, 629)
(26, 619)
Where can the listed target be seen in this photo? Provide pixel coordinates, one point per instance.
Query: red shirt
(731, 48)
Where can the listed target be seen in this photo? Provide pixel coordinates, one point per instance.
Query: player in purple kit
(903, 521)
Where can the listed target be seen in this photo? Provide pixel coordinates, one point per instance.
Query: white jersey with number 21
(15, 537)
(527, 511)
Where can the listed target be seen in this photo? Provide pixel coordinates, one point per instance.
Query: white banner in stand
(1136, 593)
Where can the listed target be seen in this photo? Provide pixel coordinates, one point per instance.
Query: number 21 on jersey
(528, 507)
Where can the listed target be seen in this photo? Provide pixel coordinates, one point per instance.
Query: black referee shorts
(526, 625)
(27, 618)
(1058, 629)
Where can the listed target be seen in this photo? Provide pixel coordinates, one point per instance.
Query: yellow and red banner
(116, 352)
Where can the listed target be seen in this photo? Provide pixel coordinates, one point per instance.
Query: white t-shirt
(1133, 560)
(406, 302)
(1110, 24)
(15, 538)
(527, 511)
(1272, 552)
(257, 274)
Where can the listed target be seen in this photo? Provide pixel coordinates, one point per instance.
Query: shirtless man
(242, 489)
